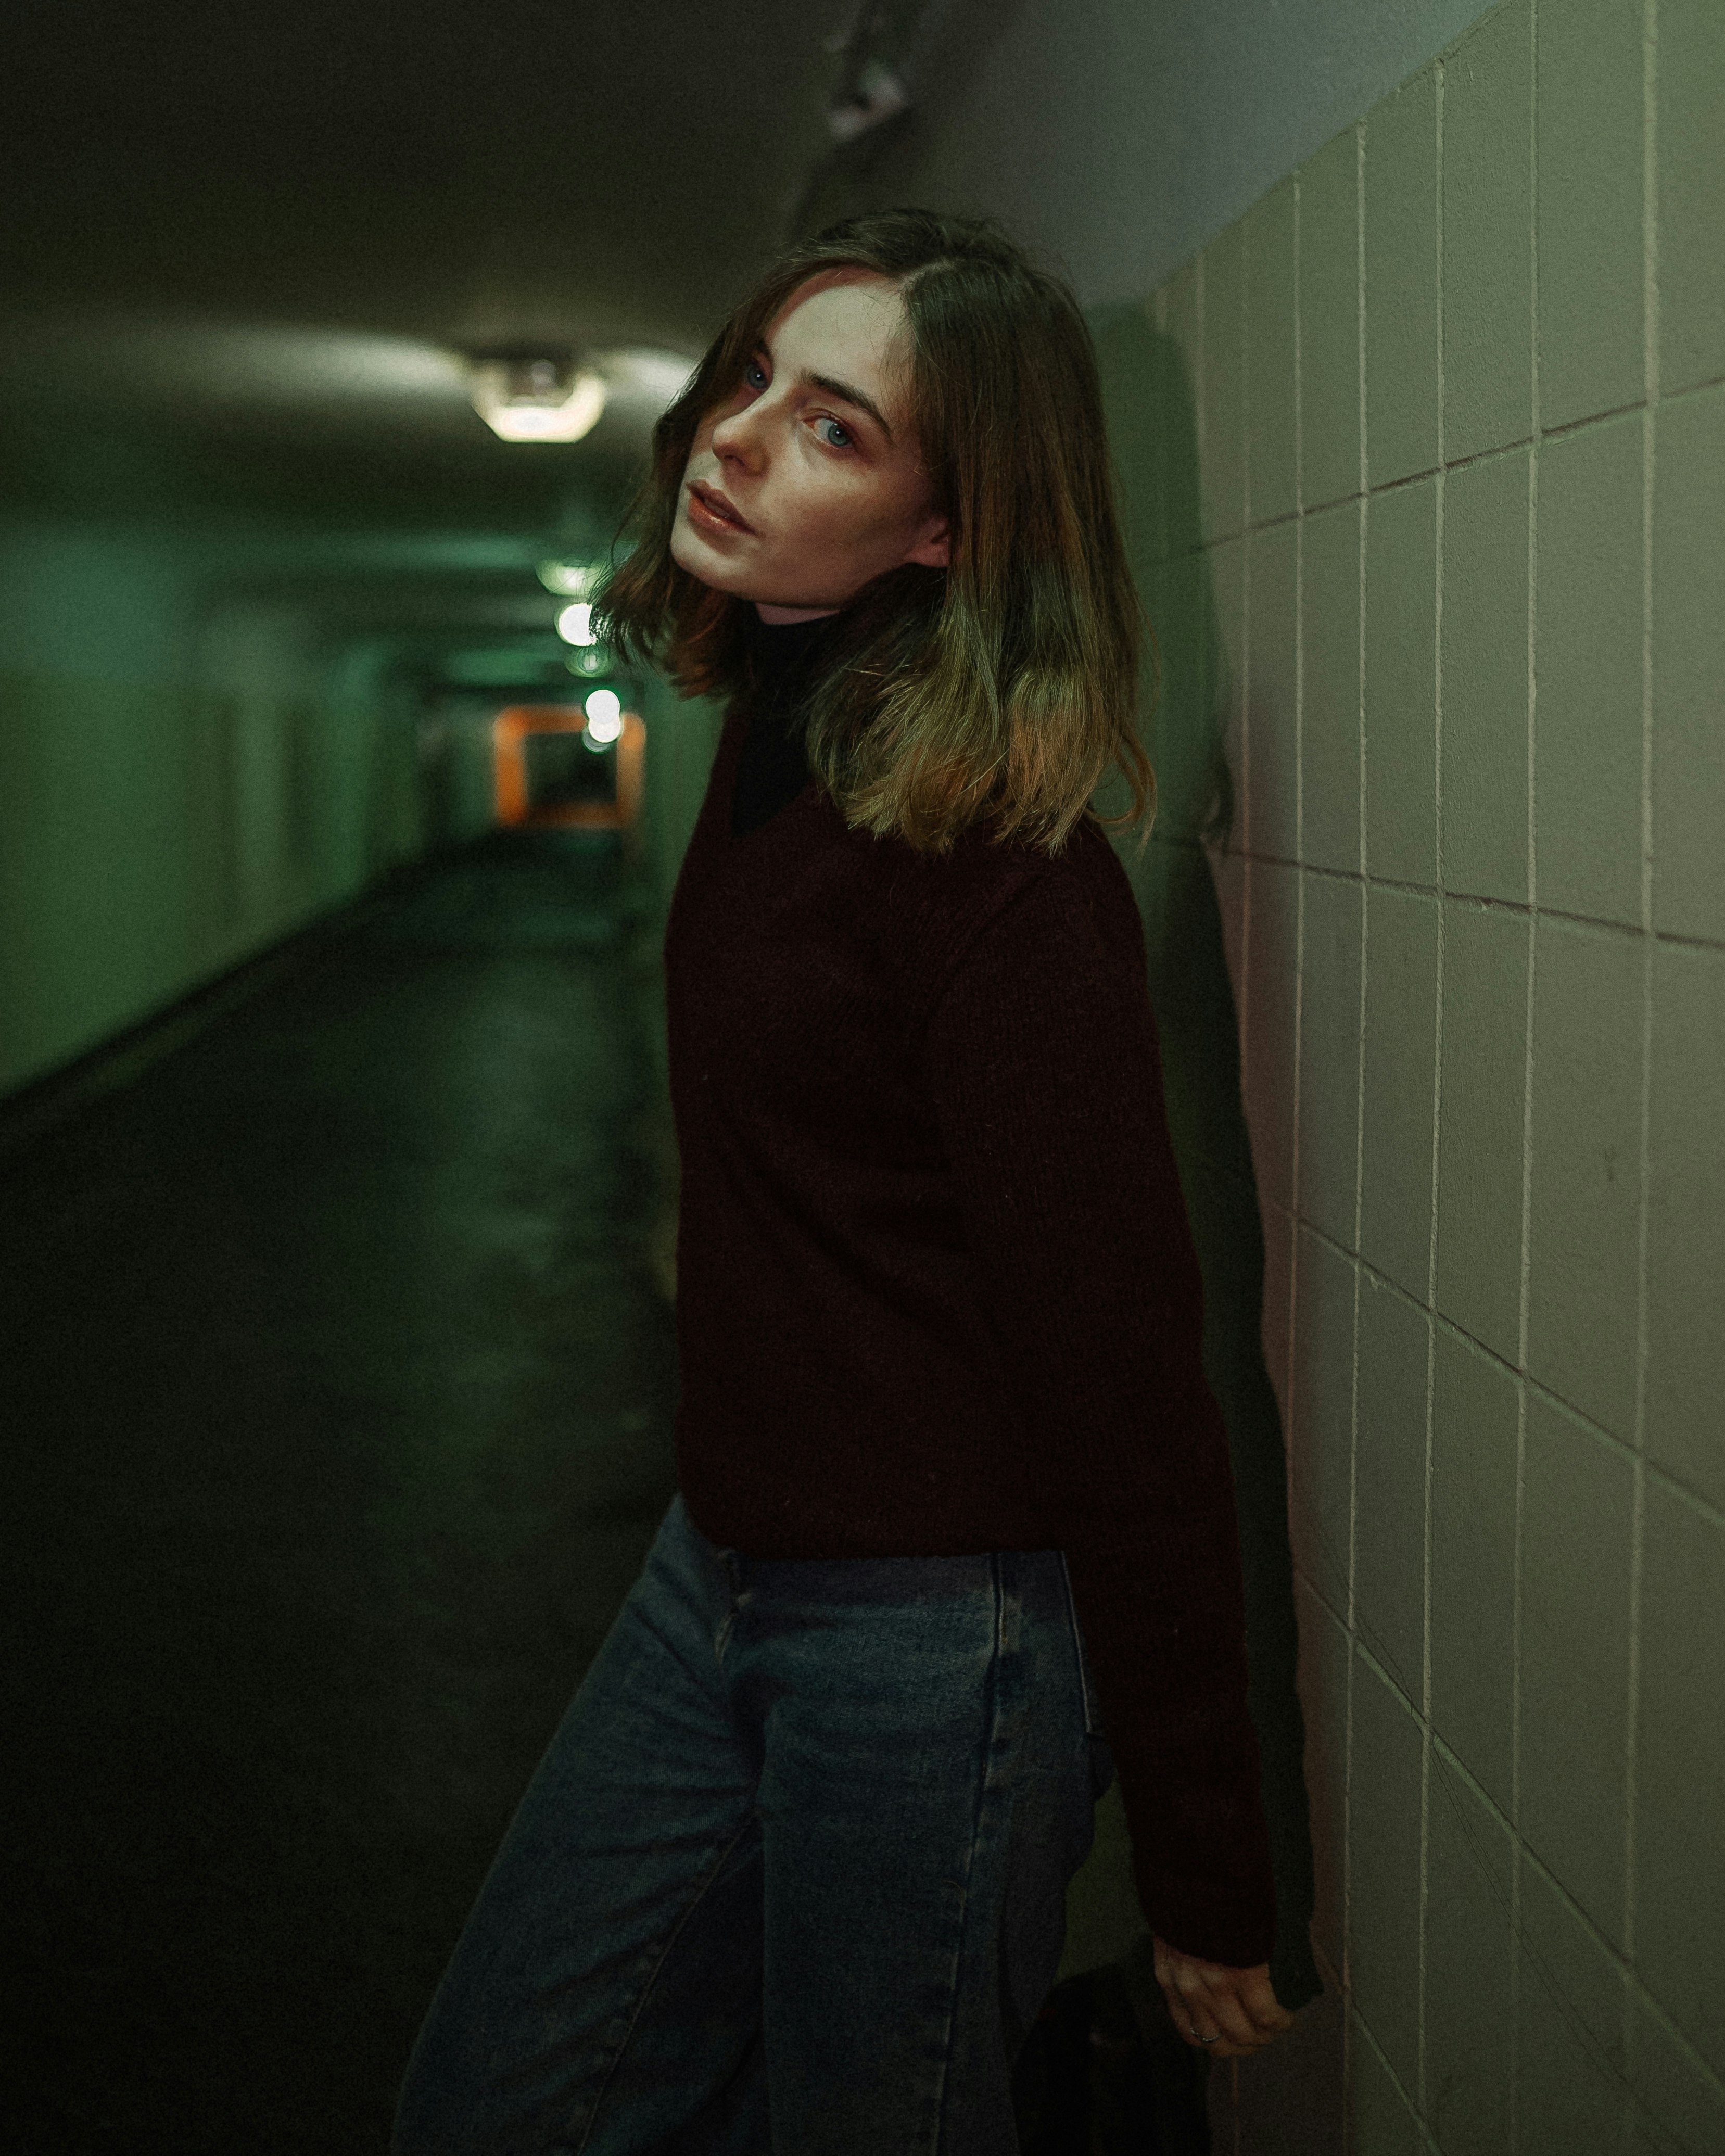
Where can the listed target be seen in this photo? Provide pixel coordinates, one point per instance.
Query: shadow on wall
(1153, 433)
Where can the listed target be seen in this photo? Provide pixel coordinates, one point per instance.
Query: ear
(933, 550)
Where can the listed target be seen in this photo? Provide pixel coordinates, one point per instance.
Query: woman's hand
(1235, 2009)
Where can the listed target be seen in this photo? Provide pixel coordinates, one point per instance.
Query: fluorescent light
(878, 95)
(604, 715)
(572, 580)
(535, 400)
(648, 373)
(575, 624)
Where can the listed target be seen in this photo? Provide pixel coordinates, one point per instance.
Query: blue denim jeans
(790, 1880)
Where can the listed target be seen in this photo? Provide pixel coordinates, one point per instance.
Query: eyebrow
(843, 391)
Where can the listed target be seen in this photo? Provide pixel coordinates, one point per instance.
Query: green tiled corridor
(338, 1187)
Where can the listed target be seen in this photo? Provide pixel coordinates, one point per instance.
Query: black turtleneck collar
(774, 769)
(773, 642)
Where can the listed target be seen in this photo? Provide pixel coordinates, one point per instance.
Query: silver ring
(1216, 2039)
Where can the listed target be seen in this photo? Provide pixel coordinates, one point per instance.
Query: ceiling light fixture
(879, 94)
(525, 395)
(573, 580)
(604, 709)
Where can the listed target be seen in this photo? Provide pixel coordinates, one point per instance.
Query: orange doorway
(513, 733)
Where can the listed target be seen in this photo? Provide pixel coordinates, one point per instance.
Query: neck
(777, 617)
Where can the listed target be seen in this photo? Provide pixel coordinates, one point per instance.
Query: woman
(952, 1487)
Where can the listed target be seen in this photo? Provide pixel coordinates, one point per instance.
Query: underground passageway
(339, 1400)
(336, 1369)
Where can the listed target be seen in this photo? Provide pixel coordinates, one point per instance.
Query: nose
(736, 439)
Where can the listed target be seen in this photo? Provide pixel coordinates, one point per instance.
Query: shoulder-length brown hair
(997, 690)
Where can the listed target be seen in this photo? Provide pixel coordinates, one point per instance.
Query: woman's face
(807, 481)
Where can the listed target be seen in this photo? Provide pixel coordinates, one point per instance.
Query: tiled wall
(1426, 462)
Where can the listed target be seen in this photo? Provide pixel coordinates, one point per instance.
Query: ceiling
(244, 246)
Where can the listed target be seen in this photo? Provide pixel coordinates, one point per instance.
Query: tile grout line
(1519, 1541)
(1439, 85)
(1497, 452)
(1603, 1943)
(1366, 949)
(1348, 2037)
(1458, 1766)
(1246, 555)
(1491, 902)
(1299, 562)
(1240, 839)
(1361, 535)
(1245, 543)
(1537, 1390)
(1241, 692)
(1649, 433)
(1247, 291)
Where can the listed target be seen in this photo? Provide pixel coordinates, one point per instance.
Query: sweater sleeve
(1046, 1082)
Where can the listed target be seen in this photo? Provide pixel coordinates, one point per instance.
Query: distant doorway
(554, 771)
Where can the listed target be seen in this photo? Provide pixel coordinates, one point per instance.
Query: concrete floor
(338, 1399)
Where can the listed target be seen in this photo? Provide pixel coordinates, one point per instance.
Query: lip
(710, 510)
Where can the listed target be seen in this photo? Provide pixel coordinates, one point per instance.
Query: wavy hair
(998, 691)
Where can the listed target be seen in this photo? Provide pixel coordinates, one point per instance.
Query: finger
(1258, 2008)
(1230, 1998)
(1267, 2014)
(1186, 2010)
(1230, 2022)
(1227, 2046)
(1180, 1991)
(1215, 2044)
(1180, 2013)
(1258, 1997)
(1195, 2017)
(1206, 2002)
(1177, 2010)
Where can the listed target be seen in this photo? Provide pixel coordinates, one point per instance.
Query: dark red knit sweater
(935, 1290)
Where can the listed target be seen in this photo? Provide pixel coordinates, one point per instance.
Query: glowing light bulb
(572, 580)
(536, 400)
(604, 715)
(575, 624)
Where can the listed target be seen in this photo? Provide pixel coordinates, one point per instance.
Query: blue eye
(755, 375)
(844, 442)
